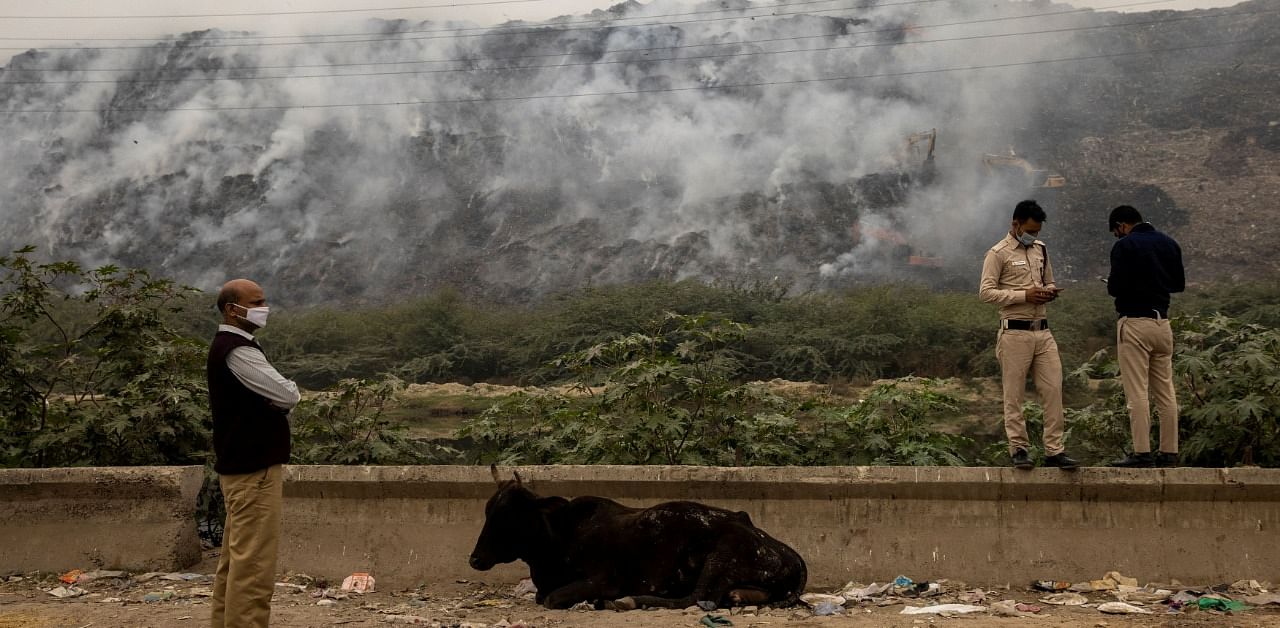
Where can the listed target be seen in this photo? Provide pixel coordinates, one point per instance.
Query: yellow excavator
(1013, 164)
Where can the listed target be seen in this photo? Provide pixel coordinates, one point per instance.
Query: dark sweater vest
(249, 434)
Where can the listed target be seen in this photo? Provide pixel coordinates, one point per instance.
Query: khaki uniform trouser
(245, 580)
(1144, 347)
(1019, 351)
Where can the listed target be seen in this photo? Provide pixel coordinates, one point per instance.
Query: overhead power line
(493, 29)
(532, 97)
(648, 61)
(169, 16)
(542, 30)
(894, 29)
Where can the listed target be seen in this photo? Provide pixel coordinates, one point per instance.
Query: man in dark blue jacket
(1146, 266)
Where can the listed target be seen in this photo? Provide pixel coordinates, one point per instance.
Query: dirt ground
(120, 602)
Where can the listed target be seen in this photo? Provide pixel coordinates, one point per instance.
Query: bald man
(251, 403)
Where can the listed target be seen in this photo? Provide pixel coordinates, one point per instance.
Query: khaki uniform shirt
(1008, 270)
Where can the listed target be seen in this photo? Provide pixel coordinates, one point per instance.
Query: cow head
(515, 524)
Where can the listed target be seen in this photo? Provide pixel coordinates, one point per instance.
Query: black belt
(1025, 325)
(1156, 314)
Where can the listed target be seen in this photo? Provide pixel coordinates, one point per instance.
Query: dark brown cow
(674, 555)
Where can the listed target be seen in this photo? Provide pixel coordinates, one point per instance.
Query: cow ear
(516, 475)
(493, 470)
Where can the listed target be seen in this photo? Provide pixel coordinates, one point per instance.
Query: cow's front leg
(587, 590)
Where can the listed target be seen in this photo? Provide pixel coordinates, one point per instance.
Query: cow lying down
(672, 555)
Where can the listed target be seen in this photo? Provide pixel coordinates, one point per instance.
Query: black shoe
(1136, 461)
(1021, 460)
(1166, 460)
(1062, 461)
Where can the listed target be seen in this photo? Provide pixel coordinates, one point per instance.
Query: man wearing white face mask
(1017, 276)
(250, 401)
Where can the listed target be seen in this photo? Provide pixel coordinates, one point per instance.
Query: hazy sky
(71, 17)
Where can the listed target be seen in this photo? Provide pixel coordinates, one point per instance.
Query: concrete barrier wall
(411, 525)
(133, 518)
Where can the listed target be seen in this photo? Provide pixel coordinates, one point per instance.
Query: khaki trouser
(1144, 347)
(1019, 351)
(245, 580)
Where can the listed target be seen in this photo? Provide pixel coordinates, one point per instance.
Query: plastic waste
(1115, 577)
(71, 577)
(1009, 608)
(712, 621)
(67, 592)
(902, 581)
(359, 582)
(1207, 603)
(1050, 585)
(525, 586)
(814, 599)
(1263, 599)
(942, 609)
(827, 608)
(1122, 608)
(858, 594)
(1065, 599)
(159, 596)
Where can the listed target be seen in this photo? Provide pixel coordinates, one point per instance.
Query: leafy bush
(347, 426)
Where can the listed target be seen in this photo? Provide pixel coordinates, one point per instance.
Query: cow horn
(493, 470)
(515, 474)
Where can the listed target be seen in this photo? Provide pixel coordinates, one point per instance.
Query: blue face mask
(1026, 239)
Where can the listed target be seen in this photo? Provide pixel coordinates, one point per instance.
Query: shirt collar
(235, 330)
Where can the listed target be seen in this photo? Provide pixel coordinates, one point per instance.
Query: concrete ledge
(133, 518)
(411, 525)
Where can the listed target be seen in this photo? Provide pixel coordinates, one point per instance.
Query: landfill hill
(374, 205)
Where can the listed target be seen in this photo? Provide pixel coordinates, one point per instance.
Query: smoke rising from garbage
(693, 167)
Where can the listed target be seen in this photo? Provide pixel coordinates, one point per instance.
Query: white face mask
(255, 315)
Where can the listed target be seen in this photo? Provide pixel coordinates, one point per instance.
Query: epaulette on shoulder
(999, 246)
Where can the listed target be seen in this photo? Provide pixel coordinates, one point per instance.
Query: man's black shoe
(1166, 459)
(1021, 460)
(1062, 461)
(1135, 461)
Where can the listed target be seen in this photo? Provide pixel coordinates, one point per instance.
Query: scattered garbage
(326, 602)
(814, 599)
(1184, 597)
(407, 619)
(1143, 596)
(1065, 599)
(359, 582)
(1029, 608)
(942, 609)
(297, 588)
(1122, 608)
(1208, 603)
(183, 577)
(853, 592)
(1114, 576)
(67, 592)
(1263, 599)
(975, 596)
(1009, 608)
(524, 587)
(99, 574)
(902, 581)
(1050, 585)
(827, 608)
(71, 576)
(159, 596)
(711, 621)
(110, 600)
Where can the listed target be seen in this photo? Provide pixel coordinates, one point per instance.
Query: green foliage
(1231, 387)
(668, 397)
(116, 387)
(894, 425)
(348, 426)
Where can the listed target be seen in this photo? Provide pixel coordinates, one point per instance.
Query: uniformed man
(1146, 266)
(1017, 276)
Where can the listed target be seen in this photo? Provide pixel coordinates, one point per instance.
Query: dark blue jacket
(1146, 266)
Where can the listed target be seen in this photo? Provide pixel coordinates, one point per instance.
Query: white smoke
(371, 200)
